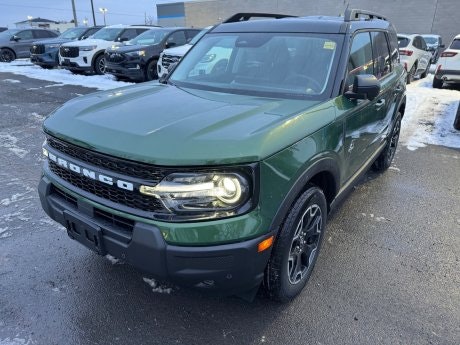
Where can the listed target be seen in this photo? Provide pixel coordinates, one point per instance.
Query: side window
(360, 60)
(382, 61)
(25, 35)
(128, 34)
(423, 43)
(190, 34)
(176, 39)
(91, 32)
(42, 34)
(394, 51)
(417, 43)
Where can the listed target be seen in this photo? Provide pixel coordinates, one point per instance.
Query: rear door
(423, 55)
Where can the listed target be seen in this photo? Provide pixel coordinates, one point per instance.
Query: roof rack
(243, 17)
(355, 14)
(151, 25)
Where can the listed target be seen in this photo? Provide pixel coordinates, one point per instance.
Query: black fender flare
(325, 164)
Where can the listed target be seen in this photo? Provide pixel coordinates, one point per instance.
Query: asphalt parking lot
(388, 273)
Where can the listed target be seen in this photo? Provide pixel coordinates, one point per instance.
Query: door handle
(380, 103)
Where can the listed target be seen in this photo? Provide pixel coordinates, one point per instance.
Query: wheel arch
(324, 173)
(10, 49)
(96, 55)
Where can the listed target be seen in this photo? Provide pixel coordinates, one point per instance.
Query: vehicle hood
(53, 41)
(165, 125)
(129, 48)
(89, 42)
(178, 51)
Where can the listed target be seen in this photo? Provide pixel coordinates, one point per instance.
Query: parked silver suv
(16, 43)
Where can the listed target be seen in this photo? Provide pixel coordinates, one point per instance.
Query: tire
(425, 72)
(99, 64)
(7, 55)
(383, 161)
(151, 72)
(437, 83)
(297, 246)
(411, 74)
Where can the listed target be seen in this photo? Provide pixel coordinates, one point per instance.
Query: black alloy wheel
(6, 55)
(383, 162)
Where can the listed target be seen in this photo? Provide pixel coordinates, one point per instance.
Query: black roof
(351, 22)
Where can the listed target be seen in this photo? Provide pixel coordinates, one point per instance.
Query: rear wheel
(7, 55)
(297, 246)
(99, 64)
(437, 83)
(383, 162)
(425, 72)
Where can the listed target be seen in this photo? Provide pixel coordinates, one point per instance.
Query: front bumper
(131, 70)
(448, 75)
(81, 63)
(226, 269)
(48, 59)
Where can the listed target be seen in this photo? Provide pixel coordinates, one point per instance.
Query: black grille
(166, 60)
(133, 169)
(67, 197)
(69, 52)
(114, 57)
(37, 49)
(131, 199)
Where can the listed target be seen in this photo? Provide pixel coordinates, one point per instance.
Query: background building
(44, 23)
(409, 16)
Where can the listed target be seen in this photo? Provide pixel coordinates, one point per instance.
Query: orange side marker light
(265, 244)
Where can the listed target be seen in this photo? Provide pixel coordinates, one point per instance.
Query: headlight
(136, 53)
(51, 46)
(198, 193)
(87, 48)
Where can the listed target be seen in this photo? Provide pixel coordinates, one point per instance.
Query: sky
(119, 11)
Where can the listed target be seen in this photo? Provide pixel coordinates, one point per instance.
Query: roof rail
(355, 14)
(242, 17)
(151, 25)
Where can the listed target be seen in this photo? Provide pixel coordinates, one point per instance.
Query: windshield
(149, 37)
(73, 33)
(430, 39)
(107, 34)
(266, 64)
(403, 42)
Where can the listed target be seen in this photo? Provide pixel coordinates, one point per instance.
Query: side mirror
(15, 38)
(365, 86)
(123, 39)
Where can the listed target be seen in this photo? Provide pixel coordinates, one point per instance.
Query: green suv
(222, 178)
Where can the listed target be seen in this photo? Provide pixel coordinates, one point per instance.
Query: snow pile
(61, 76)
(429, 116)
(156, 287)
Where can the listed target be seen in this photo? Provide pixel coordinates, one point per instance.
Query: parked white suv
(88, 55)
(415, 56)
(448, 68)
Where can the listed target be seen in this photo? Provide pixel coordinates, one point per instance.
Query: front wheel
(6, 55)
(99, 65)
(383, 162)
(297, 246)
(151, 71)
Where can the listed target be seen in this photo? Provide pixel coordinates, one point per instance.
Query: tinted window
(176, 39)
(25, 35)
(128, 34)
(191, 34)
(455, 44)
(417, 43)
(422, 43)
(91, 32)
(360, 61)
(382, 61)
(140, 31)
(403, 42)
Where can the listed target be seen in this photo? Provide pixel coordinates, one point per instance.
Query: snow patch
(9, 142)
(62, 77)
(4, 233)
(113, 260)
(12, 81)
(16, 341)
(156, 287)
(430, 115)
(17, 197)
(394, 169)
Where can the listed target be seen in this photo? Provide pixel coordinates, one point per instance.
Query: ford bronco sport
(222, 179)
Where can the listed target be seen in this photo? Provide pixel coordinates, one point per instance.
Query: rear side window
(382, 61)
(43, 34)
(455, 44)
(403, 42)
(360, 60)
